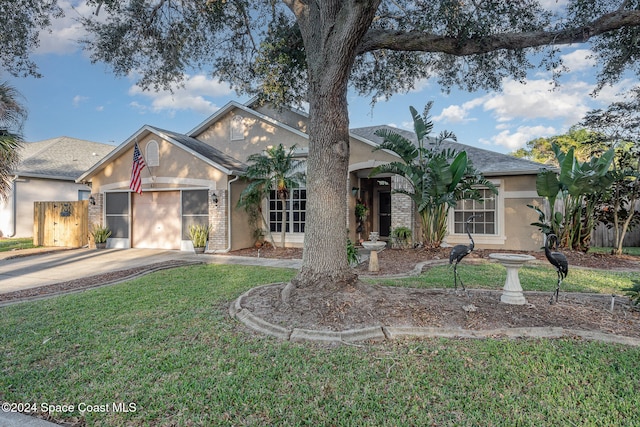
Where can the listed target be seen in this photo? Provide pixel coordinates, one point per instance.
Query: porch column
(402, 207)
(218, 215)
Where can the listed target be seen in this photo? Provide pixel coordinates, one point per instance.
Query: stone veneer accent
(95, 214)
(218, 238)
(402, 208)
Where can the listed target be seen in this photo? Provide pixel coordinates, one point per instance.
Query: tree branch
(377, 39)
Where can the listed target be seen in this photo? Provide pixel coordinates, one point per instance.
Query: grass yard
(13, 244)
(629, 250)
(487, 275)
(165, 344)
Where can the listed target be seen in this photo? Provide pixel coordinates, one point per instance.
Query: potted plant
(401, 236)
(199, 235)
(100, 235)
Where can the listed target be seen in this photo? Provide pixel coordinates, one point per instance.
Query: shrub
(352, 253)
(634, 294)
(100, 234)
(401, 236)
(199, 234)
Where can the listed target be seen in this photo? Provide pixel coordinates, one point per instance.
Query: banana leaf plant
(438, 177)
(578, 185)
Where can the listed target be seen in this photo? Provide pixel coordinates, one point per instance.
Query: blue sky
(82, 100)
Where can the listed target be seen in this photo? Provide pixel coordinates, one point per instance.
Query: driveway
(25, 272)
(39, 269)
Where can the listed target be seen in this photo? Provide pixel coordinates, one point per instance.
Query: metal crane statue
(460, 251)
(558, 260)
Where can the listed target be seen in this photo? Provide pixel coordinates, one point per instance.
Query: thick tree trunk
(331, 32)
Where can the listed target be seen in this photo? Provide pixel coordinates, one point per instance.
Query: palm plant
(12, 116)
(579, 185)
(438, 177)
(276, 169)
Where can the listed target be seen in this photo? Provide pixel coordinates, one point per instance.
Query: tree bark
(332, 31)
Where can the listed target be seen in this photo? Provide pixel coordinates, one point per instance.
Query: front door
(384, 213)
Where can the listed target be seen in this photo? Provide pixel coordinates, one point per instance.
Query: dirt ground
(366, 305)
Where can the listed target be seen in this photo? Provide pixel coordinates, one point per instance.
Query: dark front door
(384, 213)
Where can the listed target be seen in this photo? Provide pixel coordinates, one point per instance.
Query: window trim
(152, 160)
(292, 236)
(499, 238)
(237, 128)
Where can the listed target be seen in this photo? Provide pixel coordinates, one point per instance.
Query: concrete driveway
(25, 272)
(46, 268)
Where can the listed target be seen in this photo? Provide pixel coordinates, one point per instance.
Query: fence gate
(61, 223)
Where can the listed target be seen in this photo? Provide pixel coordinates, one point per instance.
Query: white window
(484, 222)
(237, 128)
(152, 154)
(295, 210)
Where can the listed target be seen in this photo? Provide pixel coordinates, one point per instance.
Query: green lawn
(532, 278)
(12, 244)
(630, 250)
(165, 344)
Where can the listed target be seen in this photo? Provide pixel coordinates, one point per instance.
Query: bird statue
(558, 260)
(460, 251)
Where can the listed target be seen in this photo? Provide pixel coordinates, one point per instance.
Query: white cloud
(63, 35)
(518, 139)
(78, 99)
(579, 60)
(537, 99)
(189, 96)
(553, 4)
(459, 113)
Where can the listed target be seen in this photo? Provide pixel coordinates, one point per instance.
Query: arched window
(237, 128)
(152, 155)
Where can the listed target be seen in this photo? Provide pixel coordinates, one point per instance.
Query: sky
(87, 101)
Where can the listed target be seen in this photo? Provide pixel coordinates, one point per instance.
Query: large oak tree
(313, 50)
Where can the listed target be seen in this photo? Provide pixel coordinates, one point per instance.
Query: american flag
(138, 165)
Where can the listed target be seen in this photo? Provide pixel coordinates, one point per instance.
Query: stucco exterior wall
(27, 191)
(258, 135)
(286, 116)
(241, 232)
(177, 169)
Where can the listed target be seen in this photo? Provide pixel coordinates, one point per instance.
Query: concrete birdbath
(373, 245)
(512, 292)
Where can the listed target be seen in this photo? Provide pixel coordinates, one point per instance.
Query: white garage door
(156, 220)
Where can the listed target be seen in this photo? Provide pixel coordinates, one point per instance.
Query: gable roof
(199, 149)
(235, 105)
(206, 151)
(490, 163)
(61, 158)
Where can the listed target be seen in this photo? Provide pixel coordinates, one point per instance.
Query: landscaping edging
(383, 332)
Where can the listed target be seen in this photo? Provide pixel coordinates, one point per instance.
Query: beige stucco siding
(241, 232)
(286, 116)
(361, 152)
(28, 191)
(521, 235)
(177, 168)
(258, 135)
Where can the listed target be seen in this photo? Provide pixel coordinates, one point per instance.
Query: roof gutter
(228, 248)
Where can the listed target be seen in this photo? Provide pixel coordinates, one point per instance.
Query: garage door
(156, 220)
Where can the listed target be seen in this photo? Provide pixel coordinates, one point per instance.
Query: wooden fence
(61, 224)
(602, 236)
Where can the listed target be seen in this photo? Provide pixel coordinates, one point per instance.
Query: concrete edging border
(390, 333)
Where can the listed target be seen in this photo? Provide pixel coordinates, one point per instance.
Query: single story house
(195, 178)
(47, 172)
